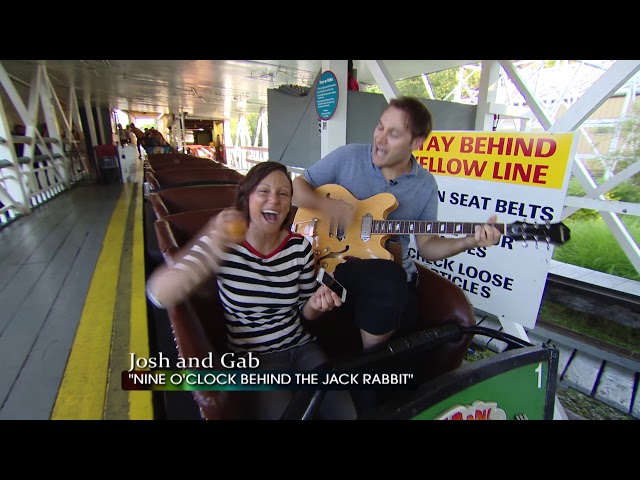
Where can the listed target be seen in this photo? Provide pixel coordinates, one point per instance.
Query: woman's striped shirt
(262, 296)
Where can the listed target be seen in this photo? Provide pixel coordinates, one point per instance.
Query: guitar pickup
(365, 227)
(340, 231)
(337, 226)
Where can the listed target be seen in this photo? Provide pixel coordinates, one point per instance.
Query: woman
(266, 284)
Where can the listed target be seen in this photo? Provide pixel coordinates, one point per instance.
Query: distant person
(158, 136)
(139, 138)
(352, 81)
(220, 150)
(122, 135)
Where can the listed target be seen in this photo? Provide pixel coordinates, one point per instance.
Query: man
(139, 138)
(381, 293)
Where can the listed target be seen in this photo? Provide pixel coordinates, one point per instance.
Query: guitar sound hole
(332, 255)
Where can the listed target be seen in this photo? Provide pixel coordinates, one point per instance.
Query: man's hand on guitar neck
(486, 235)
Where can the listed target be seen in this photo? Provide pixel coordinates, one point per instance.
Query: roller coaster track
(603, 371)
(607, 302)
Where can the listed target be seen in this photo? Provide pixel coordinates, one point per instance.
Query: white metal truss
(581, 95)
(13, 196)
(32, 178)
(243, 139)
(528, 95)
(262, 130)
(611, 81)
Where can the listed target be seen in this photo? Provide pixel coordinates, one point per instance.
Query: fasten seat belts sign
(521, 177)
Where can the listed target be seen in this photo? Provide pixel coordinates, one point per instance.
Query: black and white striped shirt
(262, 296)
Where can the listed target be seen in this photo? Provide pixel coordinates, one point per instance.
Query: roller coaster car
(516, 384)
(433, 354)
(187, 199)
(199, 328)
(182, 177)
(198, 324)
(153, 158)
(195, 162)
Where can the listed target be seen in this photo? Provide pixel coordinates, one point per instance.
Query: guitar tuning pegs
(525, 244)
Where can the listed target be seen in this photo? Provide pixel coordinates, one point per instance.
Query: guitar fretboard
(400, 227)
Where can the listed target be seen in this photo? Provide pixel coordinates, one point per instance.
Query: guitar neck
(423, 227)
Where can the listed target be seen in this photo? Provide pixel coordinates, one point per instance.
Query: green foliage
(593, 246)
(252, 125)
(372, 89)
(627, 131)
(413, 87)
(442, 84)
(630, 133)
(148, 125)
(252, 122)
(591, 325)
(575, 190)
(628, 191)
(233, 124)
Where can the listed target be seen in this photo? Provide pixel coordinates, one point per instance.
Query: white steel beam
(16, 193)
(47, 97)
(608, 84)
(333, 132)
(89, 115)
(487, 95)
(538, 110)
(603, 206)
(383, 78)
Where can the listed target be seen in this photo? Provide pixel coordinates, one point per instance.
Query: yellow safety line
(83, 388)
(140, 402)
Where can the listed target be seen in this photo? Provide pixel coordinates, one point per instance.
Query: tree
(627, 152)
(252, 124)
(443, 84)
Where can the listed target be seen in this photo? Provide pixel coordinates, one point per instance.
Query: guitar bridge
(306, 228)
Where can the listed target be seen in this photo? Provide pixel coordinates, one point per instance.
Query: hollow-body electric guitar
(333, 241)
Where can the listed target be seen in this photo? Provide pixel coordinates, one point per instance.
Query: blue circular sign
(327, 95)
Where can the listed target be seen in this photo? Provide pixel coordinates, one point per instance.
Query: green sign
(513, 385)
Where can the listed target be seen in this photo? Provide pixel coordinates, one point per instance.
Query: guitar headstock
(554, 233)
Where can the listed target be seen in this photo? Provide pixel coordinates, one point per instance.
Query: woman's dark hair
(417, 115)
(251, 180)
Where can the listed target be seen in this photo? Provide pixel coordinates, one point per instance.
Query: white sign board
(128, 163)
(521, 177)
